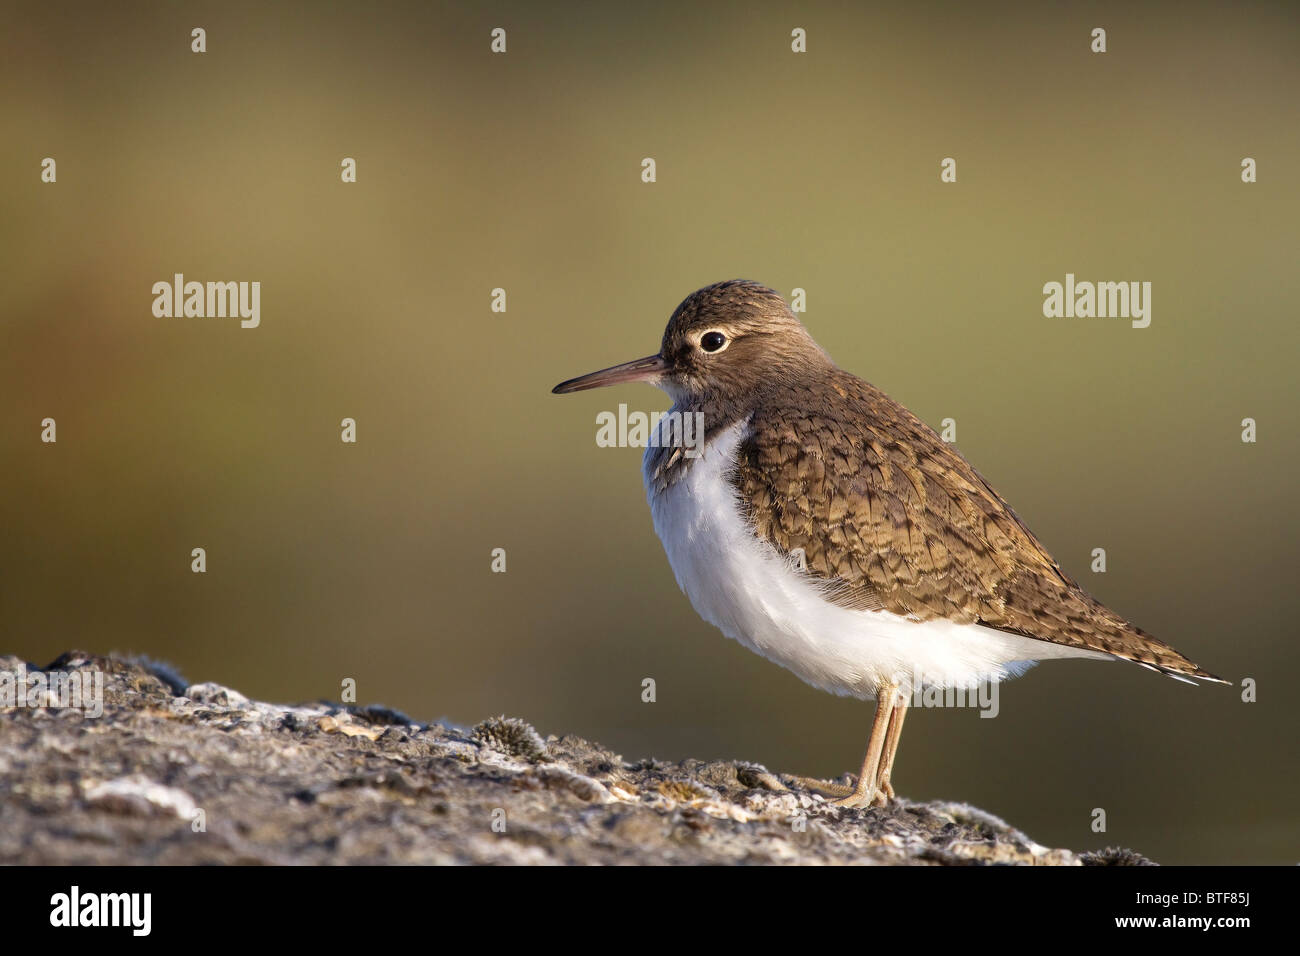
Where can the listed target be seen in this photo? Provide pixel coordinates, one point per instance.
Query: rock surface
(175, 774)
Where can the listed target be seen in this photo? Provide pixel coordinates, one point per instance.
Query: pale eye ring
(713, 341)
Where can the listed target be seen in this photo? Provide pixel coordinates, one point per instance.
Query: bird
(821, 524)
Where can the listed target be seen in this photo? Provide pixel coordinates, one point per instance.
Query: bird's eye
(712, 341)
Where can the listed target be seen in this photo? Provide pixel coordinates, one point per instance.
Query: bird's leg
(865, 791)
(886, 792)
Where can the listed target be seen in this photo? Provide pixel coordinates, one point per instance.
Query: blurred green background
(522, 171)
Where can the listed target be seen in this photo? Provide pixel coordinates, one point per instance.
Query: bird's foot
(861, 798)
(841, 795)
(825, 788)
(880, 795)
(884, 794)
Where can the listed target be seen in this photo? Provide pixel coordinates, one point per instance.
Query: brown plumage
(850, 487)
(883, 509)
(894, 516)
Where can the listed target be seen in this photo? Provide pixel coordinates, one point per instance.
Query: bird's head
(724, 342)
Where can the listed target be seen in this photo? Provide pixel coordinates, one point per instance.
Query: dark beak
(646, 369)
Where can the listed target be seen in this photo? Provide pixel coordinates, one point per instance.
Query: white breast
(758, 597)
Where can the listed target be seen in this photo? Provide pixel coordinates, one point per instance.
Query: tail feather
(1184, 675)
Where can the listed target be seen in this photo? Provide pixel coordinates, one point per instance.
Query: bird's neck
(684, 435)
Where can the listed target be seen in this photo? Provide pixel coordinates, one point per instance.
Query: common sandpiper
(827, 528)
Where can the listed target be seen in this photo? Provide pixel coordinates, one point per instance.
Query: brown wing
(897, 520)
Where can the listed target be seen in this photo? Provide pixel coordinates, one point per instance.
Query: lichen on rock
(186, 774)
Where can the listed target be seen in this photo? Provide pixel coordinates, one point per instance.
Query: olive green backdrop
(522, 171)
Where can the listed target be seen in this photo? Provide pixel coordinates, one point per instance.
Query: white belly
(754, 595)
